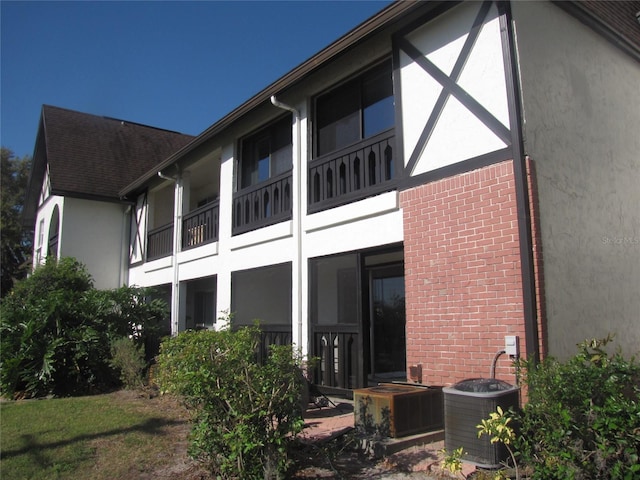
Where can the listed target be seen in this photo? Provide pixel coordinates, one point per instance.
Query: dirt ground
(335, 459)
(412, 463)
(320, 462)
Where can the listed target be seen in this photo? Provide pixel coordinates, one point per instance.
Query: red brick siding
(462, 274)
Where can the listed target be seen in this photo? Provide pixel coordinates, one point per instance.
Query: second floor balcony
(353, 173)
(199, 227)
(263, 204)
(347, 175)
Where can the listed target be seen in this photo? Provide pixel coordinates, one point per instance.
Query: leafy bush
(128, 359)
(56, 330)
(132, 312)
(498, 429)
(246, 413)
(582, 420)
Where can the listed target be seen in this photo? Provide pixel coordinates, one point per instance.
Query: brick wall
(462, 274)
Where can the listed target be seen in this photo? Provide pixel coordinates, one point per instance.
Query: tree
(15, 241)
(57, 330)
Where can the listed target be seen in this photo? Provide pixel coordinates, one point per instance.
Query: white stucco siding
(423, 91)
(92, 232)
(581, 106)
(458, 134)
(42, 227)
(156, 272)
(369, 223)
(483, 75)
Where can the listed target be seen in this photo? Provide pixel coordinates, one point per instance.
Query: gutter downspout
(177, 235)
(297, 207)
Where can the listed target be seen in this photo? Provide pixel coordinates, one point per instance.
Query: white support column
(223, 293)
(302, 256)
(177, 239)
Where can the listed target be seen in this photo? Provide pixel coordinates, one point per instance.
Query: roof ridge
(138, 124)
(121, 120)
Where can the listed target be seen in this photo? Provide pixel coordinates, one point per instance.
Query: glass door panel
(387, 323)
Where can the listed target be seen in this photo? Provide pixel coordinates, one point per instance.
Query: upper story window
(54, 227)
(41, 233)
(355, 110)
(266, 154)
(40, 241)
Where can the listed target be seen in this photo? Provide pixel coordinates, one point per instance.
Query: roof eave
(36, 175)
(88, 196)
(576, 9)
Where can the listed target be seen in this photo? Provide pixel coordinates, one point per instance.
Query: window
(54, 226)
(40, 241)
(356, 110)
(266, 154)
(40, 233)
(201, 303)
(334, 297)
(204, 309)
(262, 294)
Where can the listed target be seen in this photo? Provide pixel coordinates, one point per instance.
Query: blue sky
(174, 65)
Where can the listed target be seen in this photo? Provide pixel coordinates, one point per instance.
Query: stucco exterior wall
(95, 233)
(581, 111)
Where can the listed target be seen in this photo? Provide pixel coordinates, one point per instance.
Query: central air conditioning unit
(466, 404)
(399, 410)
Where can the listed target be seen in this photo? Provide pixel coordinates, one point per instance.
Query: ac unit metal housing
(399, 410)
(466, 404)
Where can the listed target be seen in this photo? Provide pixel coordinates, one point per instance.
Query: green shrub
(56, 330)
(128, 359)
(246, 413)
(133, 312)
(582, 420)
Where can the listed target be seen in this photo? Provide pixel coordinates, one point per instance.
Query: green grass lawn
(119, 435)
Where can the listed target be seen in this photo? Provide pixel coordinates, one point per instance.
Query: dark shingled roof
(614, 19)
(619, 15)
(97, 156)
(90, 156)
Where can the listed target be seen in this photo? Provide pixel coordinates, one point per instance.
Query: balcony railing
(353, 173)
(263, 204)
(273, 335)
(200, 226)
(160, 242)
(338, 352)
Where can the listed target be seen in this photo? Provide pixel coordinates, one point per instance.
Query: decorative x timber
(450, 88)
(140, 210)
